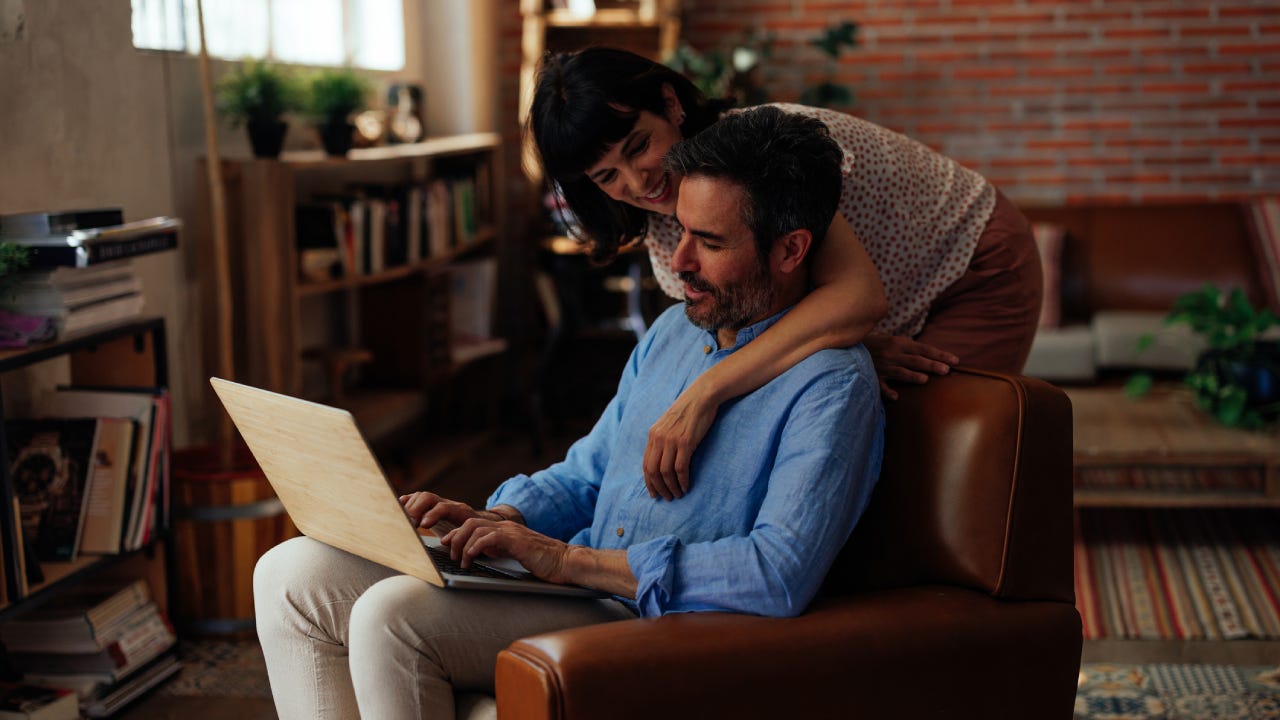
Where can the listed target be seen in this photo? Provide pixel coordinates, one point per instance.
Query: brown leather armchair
(953, 598)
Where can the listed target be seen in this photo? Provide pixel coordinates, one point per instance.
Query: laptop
(335, 491)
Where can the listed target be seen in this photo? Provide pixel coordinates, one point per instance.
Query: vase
(266, 137)
(337, 137)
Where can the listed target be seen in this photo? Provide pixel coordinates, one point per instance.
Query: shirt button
(619, 532)
(706, 349)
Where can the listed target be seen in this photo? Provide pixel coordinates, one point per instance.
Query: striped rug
(1182, 574)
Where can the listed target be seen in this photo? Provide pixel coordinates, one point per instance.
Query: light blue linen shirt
(777, 484)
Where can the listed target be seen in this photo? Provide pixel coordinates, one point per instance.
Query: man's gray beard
(736, 306)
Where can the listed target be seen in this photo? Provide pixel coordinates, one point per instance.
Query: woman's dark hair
(588, 100)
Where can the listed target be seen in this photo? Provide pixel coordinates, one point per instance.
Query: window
(362, 33)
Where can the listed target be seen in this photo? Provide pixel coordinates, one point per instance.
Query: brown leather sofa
(1118, 273)
(953, 598)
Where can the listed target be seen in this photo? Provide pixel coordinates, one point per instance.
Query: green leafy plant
(832, 42)
(1234, 378)
(333, 95)
(731, 71)
(257, 92)
(14, 259)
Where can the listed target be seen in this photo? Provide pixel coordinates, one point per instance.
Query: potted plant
(14, 258)
(1237, 377)
(333, 96)
(733, 72)
(259, 95)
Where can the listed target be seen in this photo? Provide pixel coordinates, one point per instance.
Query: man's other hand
(427, 509)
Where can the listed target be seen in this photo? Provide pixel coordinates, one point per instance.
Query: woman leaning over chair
(925, 262)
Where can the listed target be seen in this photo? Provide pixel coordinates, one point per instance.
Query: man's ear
(790, 251)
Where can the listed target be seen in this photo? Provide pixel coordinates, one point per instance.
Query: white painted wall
(86, 120)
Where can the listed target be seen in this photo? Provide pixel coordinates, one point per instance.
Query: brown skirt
(988, 317)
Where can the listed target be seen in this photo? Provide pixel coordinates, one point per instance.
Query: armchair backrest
(975, 491)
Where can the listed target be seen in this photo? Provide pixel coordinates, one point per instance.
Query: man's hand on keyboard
(429, 510)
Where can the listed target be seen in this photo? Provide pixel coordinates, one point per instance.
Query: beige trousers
(346, 638)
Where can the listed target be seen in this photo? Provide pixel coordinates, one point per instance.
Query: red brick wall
(1056, 102)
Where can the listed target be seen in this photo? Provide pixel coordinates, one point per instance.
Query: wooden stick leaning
(224, 366)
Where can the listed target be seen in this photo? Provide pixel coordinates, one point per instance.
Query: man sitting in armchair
(780, 478)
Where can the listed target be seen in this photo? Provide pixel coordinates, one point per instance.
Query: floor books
(18, 700)
(83, 620)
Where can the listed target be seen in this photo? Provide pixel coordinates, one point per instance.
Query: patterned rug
(220, 668)
(1178, 574)
(1178, 692)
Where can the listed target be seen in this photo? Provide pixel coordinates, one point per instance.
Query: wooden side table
(1160, 451)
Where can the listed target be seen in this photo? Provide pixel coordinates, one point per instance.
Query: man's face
(726, 285)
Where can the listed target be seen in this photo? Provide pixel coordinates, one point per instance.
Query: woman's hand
(905, 360)
(426, 509)
(672, 440)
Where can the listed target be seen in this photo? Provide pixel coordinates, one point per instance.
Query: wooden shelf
(124, 354)
(379, 413)
(429, 148)
(603, 18)
(1171, 499)
(484, 238)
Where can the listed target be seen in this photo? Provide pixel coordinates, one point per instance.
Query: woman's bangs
(583, 137)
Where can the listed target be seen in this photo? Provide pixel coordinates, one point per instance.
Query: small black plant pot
(1256, 371)
(266, 137)
(337, 137)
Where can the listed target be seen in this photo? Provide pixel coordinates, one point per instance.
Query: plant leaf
(1231, 406)
(1138, 385)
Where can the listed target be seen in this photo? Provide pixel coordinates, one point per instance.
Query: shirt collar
(750, 332)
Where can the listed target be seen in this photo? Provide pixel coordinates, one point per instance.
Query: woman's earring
(680, 119)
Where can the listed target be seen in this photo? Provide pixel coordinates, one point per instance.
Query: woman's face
(631, 170)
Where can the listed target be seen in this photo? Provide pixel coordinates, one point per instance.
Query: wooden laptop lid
(329, 481)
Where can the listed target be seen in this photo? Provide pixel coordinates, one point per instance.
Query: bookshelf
(127, 354)
(373, 335)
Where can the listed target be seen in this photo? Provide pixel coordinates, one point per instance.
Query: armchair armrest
(915, 652)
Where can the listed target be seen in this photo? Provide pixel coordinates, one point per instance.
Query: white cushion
(474, 706)
(1116, 335)
(1062, 354)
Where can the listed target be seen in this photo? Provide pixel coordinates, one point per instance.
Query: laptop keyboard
(446, 564)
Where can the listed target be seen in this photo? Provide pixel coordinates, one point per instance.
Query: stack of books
(90, 472)
(78, 299)
(105, 642)
(78, 274)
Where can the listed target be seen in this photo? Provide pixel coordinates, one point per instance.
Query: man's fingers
(887, 391)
